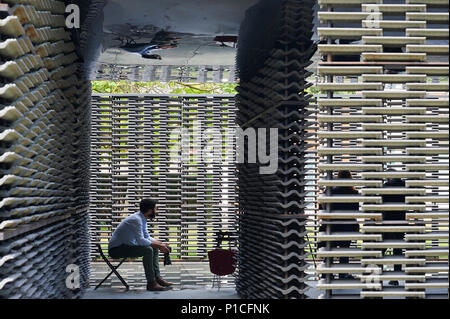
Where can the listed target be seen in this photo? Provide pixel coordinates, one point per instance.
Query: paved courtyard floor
(188, 293)
(193, 280)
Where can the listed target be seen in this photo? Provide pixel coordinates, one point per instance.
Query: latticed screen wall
(44, 154)
(178, 150)
(384, 117)
(164, 73)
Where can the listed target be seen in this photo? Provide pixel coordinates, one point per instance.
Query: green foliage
(313, 90)
(172, 87)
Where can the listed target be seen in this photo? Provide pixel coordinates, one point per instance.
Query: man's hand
(166, 245)
(163, 247)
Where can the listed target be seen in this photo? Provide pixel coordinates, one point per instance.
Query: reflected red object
(226, 38)
(222, 262)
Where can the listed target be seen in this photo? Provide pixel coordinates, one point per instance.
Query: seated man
(131, 239)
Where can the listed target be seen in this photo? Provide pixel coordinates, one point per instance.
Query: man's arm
(136, 228)
(164, 248)
(146, 234)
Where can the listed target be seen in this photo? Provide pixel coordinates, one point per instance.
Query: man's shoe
(154, 286)
(163, 283)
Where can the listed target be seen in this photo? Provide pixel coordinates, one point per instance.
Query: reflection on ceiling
(141, 40)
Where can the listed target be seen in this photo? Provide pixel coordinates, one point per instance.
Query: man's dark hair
(147, 204)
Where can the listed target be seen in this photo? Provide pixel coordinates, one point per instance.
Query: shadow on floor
(188, 293)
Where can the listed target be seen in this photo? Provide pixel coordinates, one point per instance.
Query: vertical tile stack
(138, 152)
(272, 94)
(44, 153)
(387, 118)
